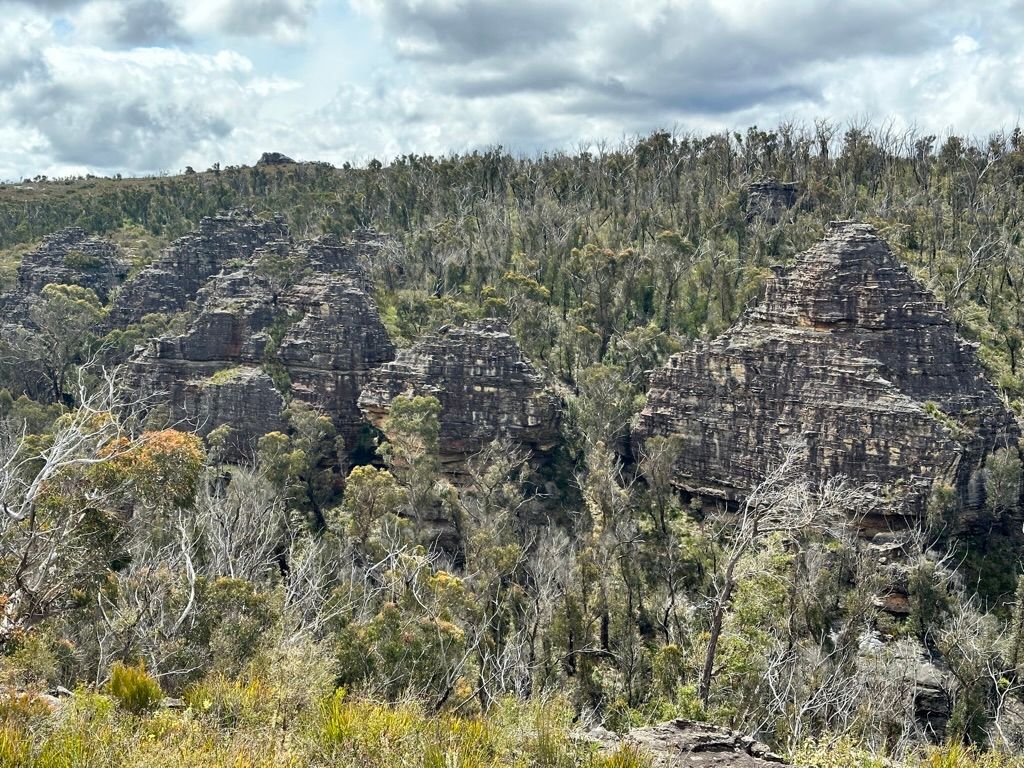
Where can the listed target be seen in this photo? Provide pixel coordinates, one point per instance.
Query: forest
(163, 603)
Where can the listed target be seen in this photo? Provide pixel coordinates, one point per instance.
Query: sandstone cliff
(849, 356)
(256, 339)
(175, 278)
(487, 390)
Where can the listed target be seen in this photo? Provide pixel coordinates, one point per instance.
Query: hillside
(506, 454)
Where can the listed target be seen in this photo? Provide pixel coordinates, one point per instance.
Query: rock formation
(487, 390)
(274, 158)
(173, 280)
(768, 200)
(690, 744)
(852, 359)
(318, 336)
(72, 257)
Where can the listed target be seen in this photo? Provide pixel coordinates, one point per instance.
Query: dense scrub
(590, 592)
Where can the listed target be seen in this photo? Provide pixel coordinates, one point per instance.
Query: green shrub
(135, 689)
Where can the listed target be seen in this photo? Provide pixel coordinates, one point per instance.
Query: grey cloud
(114, 132)
(143, 22)
(470, 31)
(672, 57)
(134, 111)
(264, 18)
(44, 5)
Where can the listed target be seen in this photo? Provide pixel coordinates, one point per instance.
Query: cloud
(22, 37)
(282, 21)
(131, 23)
(138, 110)
(133, 85)
(446, 30)
(43, 5)
(662, 56)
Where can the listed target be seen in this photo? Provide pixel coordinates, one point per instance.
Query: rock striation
(189, 262)
(768, 200)
(848, 357)
(487, 390)
(257, 337)
(72, 257)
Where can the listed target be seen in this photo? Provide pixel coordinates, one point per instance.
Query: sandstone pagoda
(853, 360)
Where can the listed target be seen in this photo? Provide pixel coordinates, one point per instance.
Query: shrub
(135, 689)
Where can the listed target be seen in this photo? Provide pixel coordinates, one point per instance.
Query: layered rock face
(487, 390)
(768, 200)
(174, 279)
(72, 257)
(319, 336)
(851, 359)
(329, 351)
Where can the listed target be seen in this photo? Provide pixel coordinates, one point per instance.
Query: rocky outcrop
(175, 278)
(72, 257)
(319, 337)
(487, 390)
(274, 158)
(244, 399)
(852, 360)
(334, 343)
(769, 200)
(690, 744)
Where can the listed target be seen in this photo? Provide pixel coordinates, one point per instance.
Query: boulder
(690, 744)
(274, 158)
(905, 676)
(487, 389)
(850, 359)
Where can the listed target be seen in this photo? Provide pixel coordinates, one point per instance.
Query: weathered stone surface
(690, 744)
(175, 278)
(72, 257)
(487, 390)
(274, 158)
(322, 333)
(852, 359)
(331, 348)
(769, 200)
(242, 398)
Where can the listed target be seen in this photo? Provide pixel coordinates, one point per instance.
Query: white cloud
(451, 75)
(137, 110)
(282, 21)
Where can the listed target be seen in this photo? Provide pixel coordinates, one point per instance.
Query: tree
(62, 327)
(58, 530)
(412, 428)
(783, 503)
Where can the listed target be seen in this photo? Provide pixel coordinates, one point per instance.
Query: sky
(152, 86)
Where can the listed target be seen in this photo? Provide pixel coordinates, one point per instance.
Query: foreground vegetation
(253, 723)
(585, 593)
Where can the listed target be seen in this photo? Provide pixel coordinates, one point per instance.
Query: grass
(248, 732)
(226, 376)
(258, 723)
